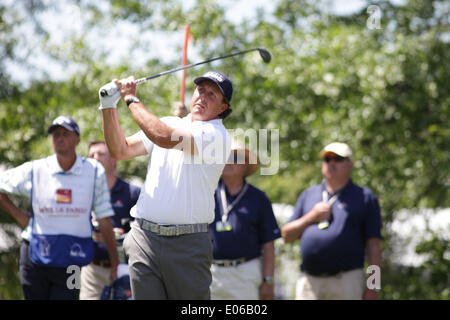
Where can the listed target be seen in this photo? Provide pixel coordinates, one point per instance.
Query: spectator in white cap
(63, 188)
(338, 224)
(243, 233)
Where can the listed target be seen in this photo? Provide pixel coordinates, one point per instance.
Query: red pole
(184, 62)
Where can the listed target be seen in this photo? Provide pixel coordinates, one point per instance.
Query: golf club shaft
(139, 81)
(265, 55)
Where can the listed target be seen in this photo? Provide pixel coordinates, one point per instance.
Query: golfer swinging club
(169, 246)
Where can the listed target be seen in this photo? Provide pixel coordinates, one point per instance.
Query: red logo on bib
(64, 196)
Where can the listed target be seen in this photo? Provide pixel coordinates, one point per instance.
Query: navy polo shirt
(123, 197)
(253, 224)
(355, 217)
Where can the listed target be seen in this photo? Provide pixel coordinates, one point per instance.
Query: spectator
(337, 222)
(95, 276)
(243, 233)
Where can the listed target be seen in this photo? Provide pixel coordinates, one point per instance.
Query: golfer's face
(207, 101)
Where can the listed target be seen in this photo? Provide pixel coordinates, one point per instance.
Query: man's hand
(181, 110)
(127, 87)
(111, 96)
(370, 295)
(266, 291)
(321, 212)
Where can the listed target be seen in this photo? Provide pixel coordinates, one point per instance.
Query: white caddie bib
(61, 222)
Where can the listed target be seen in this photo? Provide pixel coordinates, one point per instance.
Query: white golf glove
(109, 95)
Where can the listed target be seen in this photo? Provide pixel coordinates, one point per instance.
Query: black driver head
(265, 55)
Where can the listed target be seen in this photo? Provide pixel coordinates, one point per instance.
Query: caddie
(64, 189)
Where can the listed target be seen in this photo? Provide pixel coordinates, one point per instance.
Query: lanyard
(226, 208)
(331, 200)
(324, 224)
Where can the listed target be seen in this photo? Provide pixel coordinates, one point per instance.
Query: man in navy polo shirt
(94, 277)
(244, 228)
(338, 222)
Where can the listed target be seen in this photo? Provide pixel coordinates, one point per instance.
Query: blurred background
(372, 74)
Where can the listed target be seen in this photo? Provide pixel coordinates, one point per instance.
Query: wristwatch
(132, 100)
(268, 280)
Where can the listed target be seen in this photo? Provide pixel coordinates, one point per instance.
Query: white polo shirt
(18, 181)
(179, 187)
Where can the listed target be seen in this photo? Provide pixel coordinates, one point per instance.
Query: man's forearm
(294, 229)
(373, 259)
(268, 259)
(374, 251)
(109, 239)
(20, 216)
(156, 130)
(114, 137)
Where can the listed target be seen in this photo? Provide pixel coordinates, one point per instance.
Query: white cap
(339, 148)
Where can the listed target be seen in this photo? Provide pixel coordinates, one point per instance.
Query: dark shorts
(43, 283)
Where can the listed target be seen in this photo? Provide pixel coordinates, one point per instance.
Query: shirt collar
(347, 186)
(55, 168)
(189, 120)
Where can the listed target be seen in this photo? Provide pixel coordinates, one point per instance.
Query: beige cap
(339, 148)
(251, 159)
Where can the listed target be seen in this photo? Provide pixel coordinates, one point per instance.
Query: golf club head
(265, 55)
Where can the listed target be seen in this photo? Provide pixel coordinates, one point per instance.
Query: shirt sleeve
(148, 144)
(373, 216)
(102, 201)
(298, 209)
(17, 180)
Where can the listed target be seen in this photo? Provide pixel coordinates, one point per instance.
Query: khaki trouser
(93, 280)
(347, 285)
(168, 267)
(241, 282)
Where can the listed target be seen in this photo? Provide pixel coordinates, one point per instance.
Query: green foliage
(10, 288)
(429, 281)
(384, 92)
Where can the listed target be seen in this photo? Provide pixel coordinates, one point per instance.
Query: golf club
(265, 55)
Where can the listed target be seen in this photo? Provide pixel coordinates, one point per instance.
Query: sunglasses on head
(327, 159)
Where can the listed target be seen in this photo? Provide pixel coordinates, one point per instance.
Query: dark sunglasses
(327, 159)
